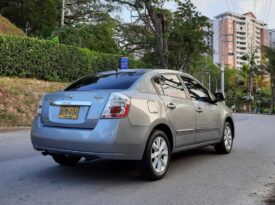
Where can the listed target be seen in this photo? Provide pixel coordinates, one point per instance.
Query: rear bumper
(110, 139)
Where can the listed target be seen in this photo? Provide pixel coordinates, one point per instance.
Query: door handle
(171, 106)
(199, 109)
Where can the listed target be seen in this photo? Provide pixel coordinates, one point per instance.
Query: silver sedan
(140, 114)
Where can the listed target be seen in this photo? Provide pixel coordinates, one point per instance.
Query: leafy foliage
(202, 69)
(41, 59)
(186, 36)
(177, 37)
(86, 11)
(269, 53)
(134, 39)
(153, 16)
(98, 37)
(237, 90)
(36, 18)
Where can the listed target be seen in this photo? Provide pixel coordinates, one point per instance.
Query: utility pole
(62, 13)
(216, 85)
(222, 61)
(209, 81)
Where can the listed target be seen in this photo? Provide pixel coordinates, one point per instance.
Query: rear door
(207, 113)
(82, 103)
(180, 111)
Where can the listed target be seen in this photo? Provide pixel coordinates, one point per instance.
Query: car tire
(156, 157)
(226, 144)
(64, 160)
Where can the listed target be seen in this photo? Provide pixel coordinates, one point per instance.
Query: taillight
(117, 106)
(39, 109)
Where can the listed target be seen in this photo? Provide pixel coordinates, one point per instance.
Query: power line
(264, 9)
(231, 5)
(270, 3)
(237, 7)
(234, 6)
(255, 9)
(227, 5)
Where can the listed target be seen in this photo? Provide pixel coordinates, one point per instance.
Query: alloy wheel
(227, 137)
(159, 154)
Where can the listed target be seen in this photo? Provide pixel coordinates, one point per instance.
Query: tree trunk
(162, 50)
(62, 13)
(158, 21)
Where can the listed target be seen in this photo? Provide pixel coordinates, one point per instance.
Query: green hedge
(46, 60)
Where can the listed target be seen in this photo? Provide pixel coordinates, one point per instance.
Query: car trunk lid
(74, 109)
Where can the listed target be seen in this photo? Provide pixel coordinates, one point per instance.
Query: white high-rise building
(272, 38)
(238, 35)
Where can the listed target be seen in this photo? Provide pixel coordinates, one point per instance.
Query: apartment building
(272, 38)
(237, 35)
(208, 39)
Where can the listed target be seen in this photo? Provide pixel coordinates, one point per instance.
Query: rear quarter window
(123, 80)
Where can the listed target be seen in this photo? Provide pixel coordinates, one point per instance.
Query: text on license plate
(69, 112)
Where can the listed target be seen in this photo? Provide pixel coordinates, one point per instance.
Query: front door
(180, 110)
(207, 113)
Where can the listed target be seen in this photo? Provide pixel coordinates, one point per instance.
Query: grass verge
(19, 99)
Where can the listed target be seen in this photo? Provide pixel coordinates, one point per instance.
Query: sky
(212, 8)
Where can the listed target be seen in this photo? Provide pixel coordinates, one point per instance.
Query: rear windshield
(122, 80)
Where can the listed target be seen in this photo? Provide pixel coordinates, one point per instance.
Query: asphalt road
(195, 177)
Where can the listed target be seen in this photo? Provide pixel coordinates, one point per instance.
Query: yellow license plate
(69, 112)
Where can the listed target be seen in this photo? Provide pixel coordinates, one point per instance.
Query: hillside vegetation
(19, 99)
(6, 27)
(48, 60)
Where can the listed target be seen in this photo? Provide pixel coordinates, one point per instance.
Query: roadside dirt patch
(19, 99)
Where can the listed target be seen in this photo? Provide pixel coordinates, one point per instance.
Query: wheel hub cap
(227, 137)
(159, 154)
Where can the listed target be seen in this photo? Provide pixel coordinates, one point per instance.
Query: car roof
(144, 70)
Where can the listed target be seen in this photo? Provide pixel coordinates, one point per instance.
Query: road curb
(13, 129)
(248, 113)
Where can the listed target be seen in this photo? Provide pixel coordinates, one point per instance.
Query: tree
(270, 55)
(97, 37)
(253, 71)
(152, 15)
(134, 39)
(86, 11)
(36, 18)
(186, 36)
(236, 87)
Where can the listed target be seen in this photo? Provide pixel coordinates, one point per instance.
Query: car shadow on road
(120, 171)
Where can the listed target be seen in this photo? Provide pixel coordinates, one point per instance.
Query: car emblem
(70, 96)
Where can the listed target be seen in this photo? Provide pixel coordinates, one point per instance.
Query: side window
(171, 86)
(196, 91)
(157, 85)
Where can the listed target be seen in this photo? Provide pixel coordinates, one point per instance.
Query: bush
(47, 60)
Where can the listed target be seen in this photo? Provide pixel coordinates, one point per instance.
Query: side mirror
(219, 97)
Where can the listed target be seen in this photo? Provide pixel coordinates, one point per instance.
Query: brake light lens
(118, 106)
(39, 109)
